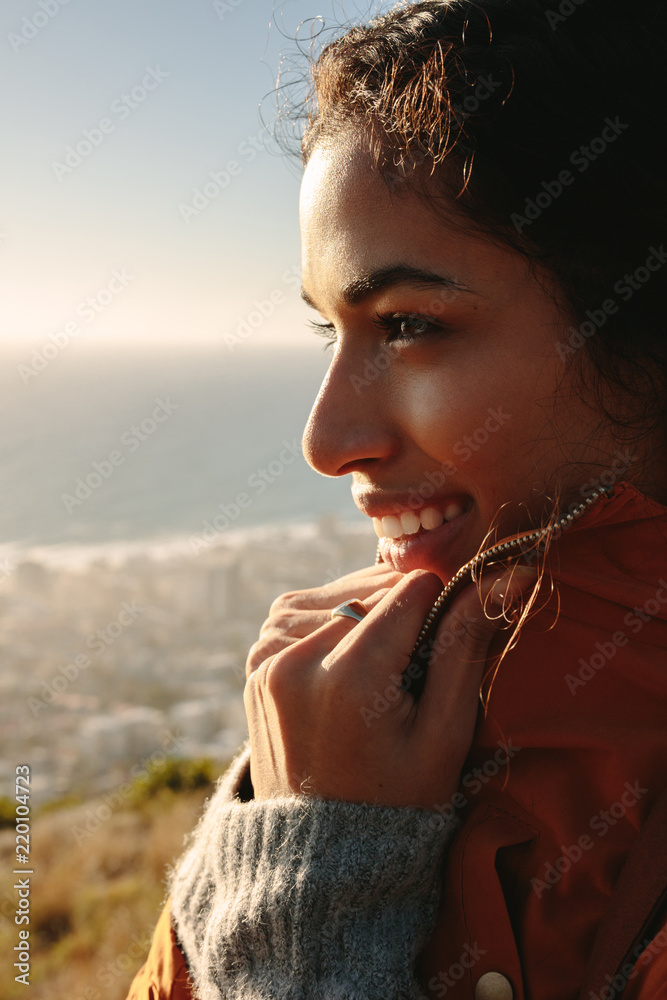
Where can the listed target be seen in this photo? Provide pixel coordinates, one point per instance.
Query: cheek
(444, 414)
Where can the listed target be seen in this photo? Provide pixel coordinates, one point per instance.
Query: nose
(350, 425)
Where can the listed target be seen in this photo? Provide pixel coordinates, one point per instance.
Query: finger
(264, 648)
(285, 629)
(461, 649)
(328, 596)
(363, 608)
(382, 642)
(300, 623)
(378, 569)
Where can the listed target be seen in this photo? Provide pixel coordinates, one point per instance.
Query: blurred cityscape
(108, 662)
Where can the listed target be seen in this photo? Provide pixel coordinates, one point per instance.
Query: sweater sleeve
(301, 898)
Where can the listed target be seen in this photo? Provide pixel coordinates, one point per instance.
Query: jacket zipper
(503, 549)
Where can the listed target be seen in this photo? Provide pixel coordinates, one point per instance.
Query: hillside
(98, 886)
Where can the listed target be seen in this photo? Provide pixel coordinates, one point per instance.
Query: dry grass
(94, 904)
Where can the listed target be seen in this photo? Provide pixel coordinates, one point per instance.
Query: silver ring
(351, 609)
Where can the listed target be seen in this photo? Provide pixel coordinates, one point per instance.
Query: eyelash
(389, 322)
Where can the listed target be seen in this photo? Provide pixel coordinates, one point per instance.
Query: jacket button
(493, 986)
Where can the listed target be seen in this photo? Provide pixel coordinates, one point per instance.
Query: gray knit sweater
(301, 898)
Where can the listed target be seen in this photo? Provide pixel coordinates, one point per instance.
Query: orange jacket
(164, 976)
(566, 767)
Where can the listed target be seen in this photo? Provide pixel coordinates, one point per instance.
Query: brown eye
(418, 326)
(407, 326)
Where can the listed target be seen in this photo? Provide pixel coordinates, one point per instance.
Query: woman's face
(446, 398)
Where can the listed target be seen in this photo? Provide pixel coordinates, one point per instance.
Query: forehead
(342, 191)
(353, 223)
(336, 169)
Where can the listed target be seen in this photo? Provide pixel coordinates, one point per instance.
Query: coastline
(111, 649)
(166, 546)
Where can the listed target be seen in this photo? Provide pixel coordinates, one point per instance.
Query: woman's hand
(325, 702)
(299, 613)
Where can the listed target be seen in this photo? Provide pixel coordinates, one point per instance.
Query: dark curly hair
(545, 121)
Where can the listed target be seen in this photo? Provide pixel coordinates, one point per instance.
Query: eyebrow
(388, 277)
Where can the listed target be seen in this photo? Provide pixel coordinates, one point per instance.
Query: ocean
(113, 446)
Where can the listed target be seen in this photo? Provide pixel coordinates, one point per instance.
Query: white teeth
(431, 518)
(410, 522)
(453, 510)
(391, 527)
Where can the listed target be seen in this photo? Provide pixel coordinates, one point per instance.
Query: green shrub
(64, 802)
(7, 812)
(176, 775)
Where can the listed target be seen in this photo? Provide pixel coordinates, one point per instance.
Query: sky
(140, 200)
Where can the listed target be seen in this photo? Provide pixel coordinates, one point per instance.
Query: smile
(410, 522)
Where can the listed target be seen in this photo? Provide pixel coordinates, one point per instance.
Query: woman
(482, 215)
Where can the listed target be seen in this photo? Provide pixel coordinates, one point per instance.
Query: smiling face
(445, 398)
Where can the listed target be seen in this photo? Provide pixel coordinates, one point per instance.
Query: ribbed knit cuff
(302, 898)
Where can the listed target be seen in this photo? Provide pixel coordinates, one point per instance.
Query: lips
(430, 537)
(442, 550)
